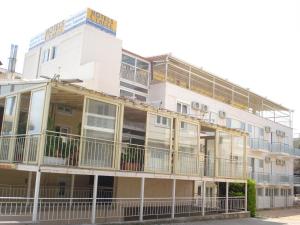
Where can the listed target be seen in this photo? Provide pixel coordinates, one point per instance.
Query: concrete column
(226, 199)
(246, 196)
(173, 198)
(36, 196)
(29, 185)
(95, 187)
(203, 194)
(142, 194)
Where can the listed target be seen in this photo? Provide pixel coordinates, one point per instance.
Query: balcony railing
(267, 178)
(108, 210)
(275, 147)
(67, 150)
(297, 179)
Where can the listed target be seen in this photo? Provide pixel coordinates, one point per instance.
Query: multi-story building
(122, 144)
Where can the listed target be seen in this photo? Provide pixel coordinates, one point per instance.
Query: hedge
(251, 197)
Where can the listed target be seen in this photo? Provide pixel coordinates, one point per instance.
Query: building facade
(122, 144)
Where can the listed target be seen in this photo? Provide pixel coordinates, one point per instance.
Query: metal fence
(115, 209)
(268, 178)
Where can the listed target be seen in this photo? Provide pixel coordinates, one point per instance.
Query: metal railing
(19, 148)
(54, 191)
(267, 178)
(257, 143)
(68, 150)
(296, 179)
(116, 209)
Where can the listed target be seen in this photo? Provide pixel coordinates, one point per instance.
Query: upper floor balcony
(57, 125)
(275, 147)
(268, 178)
(167, 68)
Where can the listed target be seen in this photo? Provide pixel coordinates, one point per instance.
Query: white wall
(172, 93)
(85, 53)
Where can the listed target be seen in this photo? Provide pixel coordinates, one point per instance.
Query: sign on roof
(87, 16)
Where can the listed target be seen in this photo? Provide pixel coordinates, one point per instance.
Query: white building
(87, 53)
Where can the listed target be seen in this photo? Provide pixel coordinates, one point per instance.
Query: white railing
(54, 191)
(230, 168)
(267, 178)
(115, 209)
(19, 148)
(296, 179)
(67, 150)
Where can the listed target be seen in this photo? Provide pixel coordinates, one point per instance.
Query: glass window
(9, 115)
(100, 120)
(127, 59)
(182, 108)
(159, 131)
(53, 52)
(142, 65)
(36, 112)
(225, 145)
(261, 163)
(188, 137)
(259, 192)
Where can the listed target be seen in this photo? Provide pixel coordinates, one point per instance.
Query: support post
(72, 188)
(203, 194)
(226, 199)
(246, 196)
(36, 196)
(29, 187)
(142, 194)
(173, 198)
(95, 187)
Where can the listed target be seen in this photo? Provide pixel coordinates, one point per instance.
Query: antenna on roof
(12, 58)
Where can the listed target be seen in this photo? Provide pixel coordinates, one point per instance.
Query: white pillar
(142, 194)
(36, 196)
(29, 185)
(246, 196)
(226, 199)
(203, 194)
(72, 186)
(173, 198)
(93, 219)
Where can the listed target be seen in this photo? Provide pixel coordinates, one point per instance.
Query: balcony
(65, 150)
(297, 180)
(275, 147)
(267, 178)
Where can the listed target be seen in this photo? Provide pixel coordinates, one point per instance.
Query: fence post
(142, 194)
(226, 199)
(246, 196)
(203, 194)
(173, 198)
(93, 219)
(36, 196)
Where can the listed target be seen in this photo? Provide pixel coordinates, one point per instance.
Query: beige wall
(154, 188)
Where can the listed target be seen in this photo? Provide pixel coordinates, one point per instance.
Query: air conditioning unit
(268, 129)
(196, 105)
(222, 114)
(278, 162)
(267, 159)
(278, 132)
(204, 108)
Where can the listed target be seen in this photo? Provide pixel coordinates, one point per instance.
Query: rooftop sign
(87, 16)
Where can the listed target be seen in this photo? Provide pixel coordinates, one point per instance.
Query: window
(46, 55)
(182, 108)
(261, 163)
(162, 121)
(65, 109)
(142, 65)
(128, 60)
(53, 52)
(259, 192)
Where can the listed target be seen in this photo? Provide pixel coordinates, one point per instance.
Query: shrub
(251, 206)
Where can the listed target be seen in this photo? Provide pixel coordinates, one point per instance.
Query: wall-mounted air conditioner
(204, 108)
(267, 159)
(196, 105)
(268, 129)
(222, 114)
